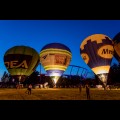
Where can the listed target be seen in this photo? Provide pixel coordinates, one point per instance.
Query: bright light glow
(55, 74)
(55, 79)
(99, 86)
(19, 78)
(103, 78)
(101, 69)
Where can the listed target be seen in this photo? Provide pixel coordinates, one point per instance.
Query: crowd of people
(80, 86)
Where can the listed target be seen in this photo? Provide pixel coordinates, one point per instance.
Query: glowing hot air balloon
(97, 52)
(21, 61)
(55, 58)
(116, 41)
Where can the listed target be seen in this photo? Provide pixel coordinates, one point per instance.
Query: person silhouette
(80, 88)
(29, 89)
(87, 91)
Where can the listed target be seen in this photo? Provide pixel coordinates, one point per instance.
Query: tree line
(65, 81)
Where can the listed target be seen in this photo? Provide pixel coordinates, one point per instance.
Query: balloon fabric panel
(91, 49)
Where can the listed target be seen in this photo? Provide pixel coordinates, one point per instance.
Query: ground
(58, 94)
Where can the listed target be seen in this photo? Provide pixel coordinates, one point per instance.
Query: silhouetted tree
(32, 79)
(114, 74)
(5, 77)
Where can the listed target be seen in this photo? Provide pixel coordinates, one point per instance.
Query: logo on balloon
(85, 57)
(16, 64)
(60, 59)
(106, 51)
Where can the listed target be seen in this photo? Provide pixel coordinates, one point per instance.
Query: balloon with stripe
(55, 58)
(97, 52)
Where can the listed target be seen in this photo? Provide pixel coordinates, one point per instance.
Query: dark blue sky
(38, 33)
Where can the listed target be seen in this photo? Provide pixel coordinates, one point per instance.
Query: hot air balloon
(116, 42)
(55, 58)
(97, 52)
(21, 61)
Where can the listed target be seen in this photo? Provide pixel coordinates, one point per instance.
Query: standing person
(29, 89)
(16, 86)
(87, 91)
(80, 88)
(110, 87)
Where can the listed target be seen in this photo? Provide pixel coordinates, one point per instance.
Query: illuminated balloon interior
(55, 58)
(103, 78)
(55, 79)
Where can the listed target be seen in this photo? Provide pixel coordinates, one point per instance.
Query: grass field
(58, 94)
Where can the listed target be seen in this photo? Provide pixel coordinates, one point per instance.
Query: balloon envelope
(116, 41)
(55, 58)
(97, 52)
(21, 61)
